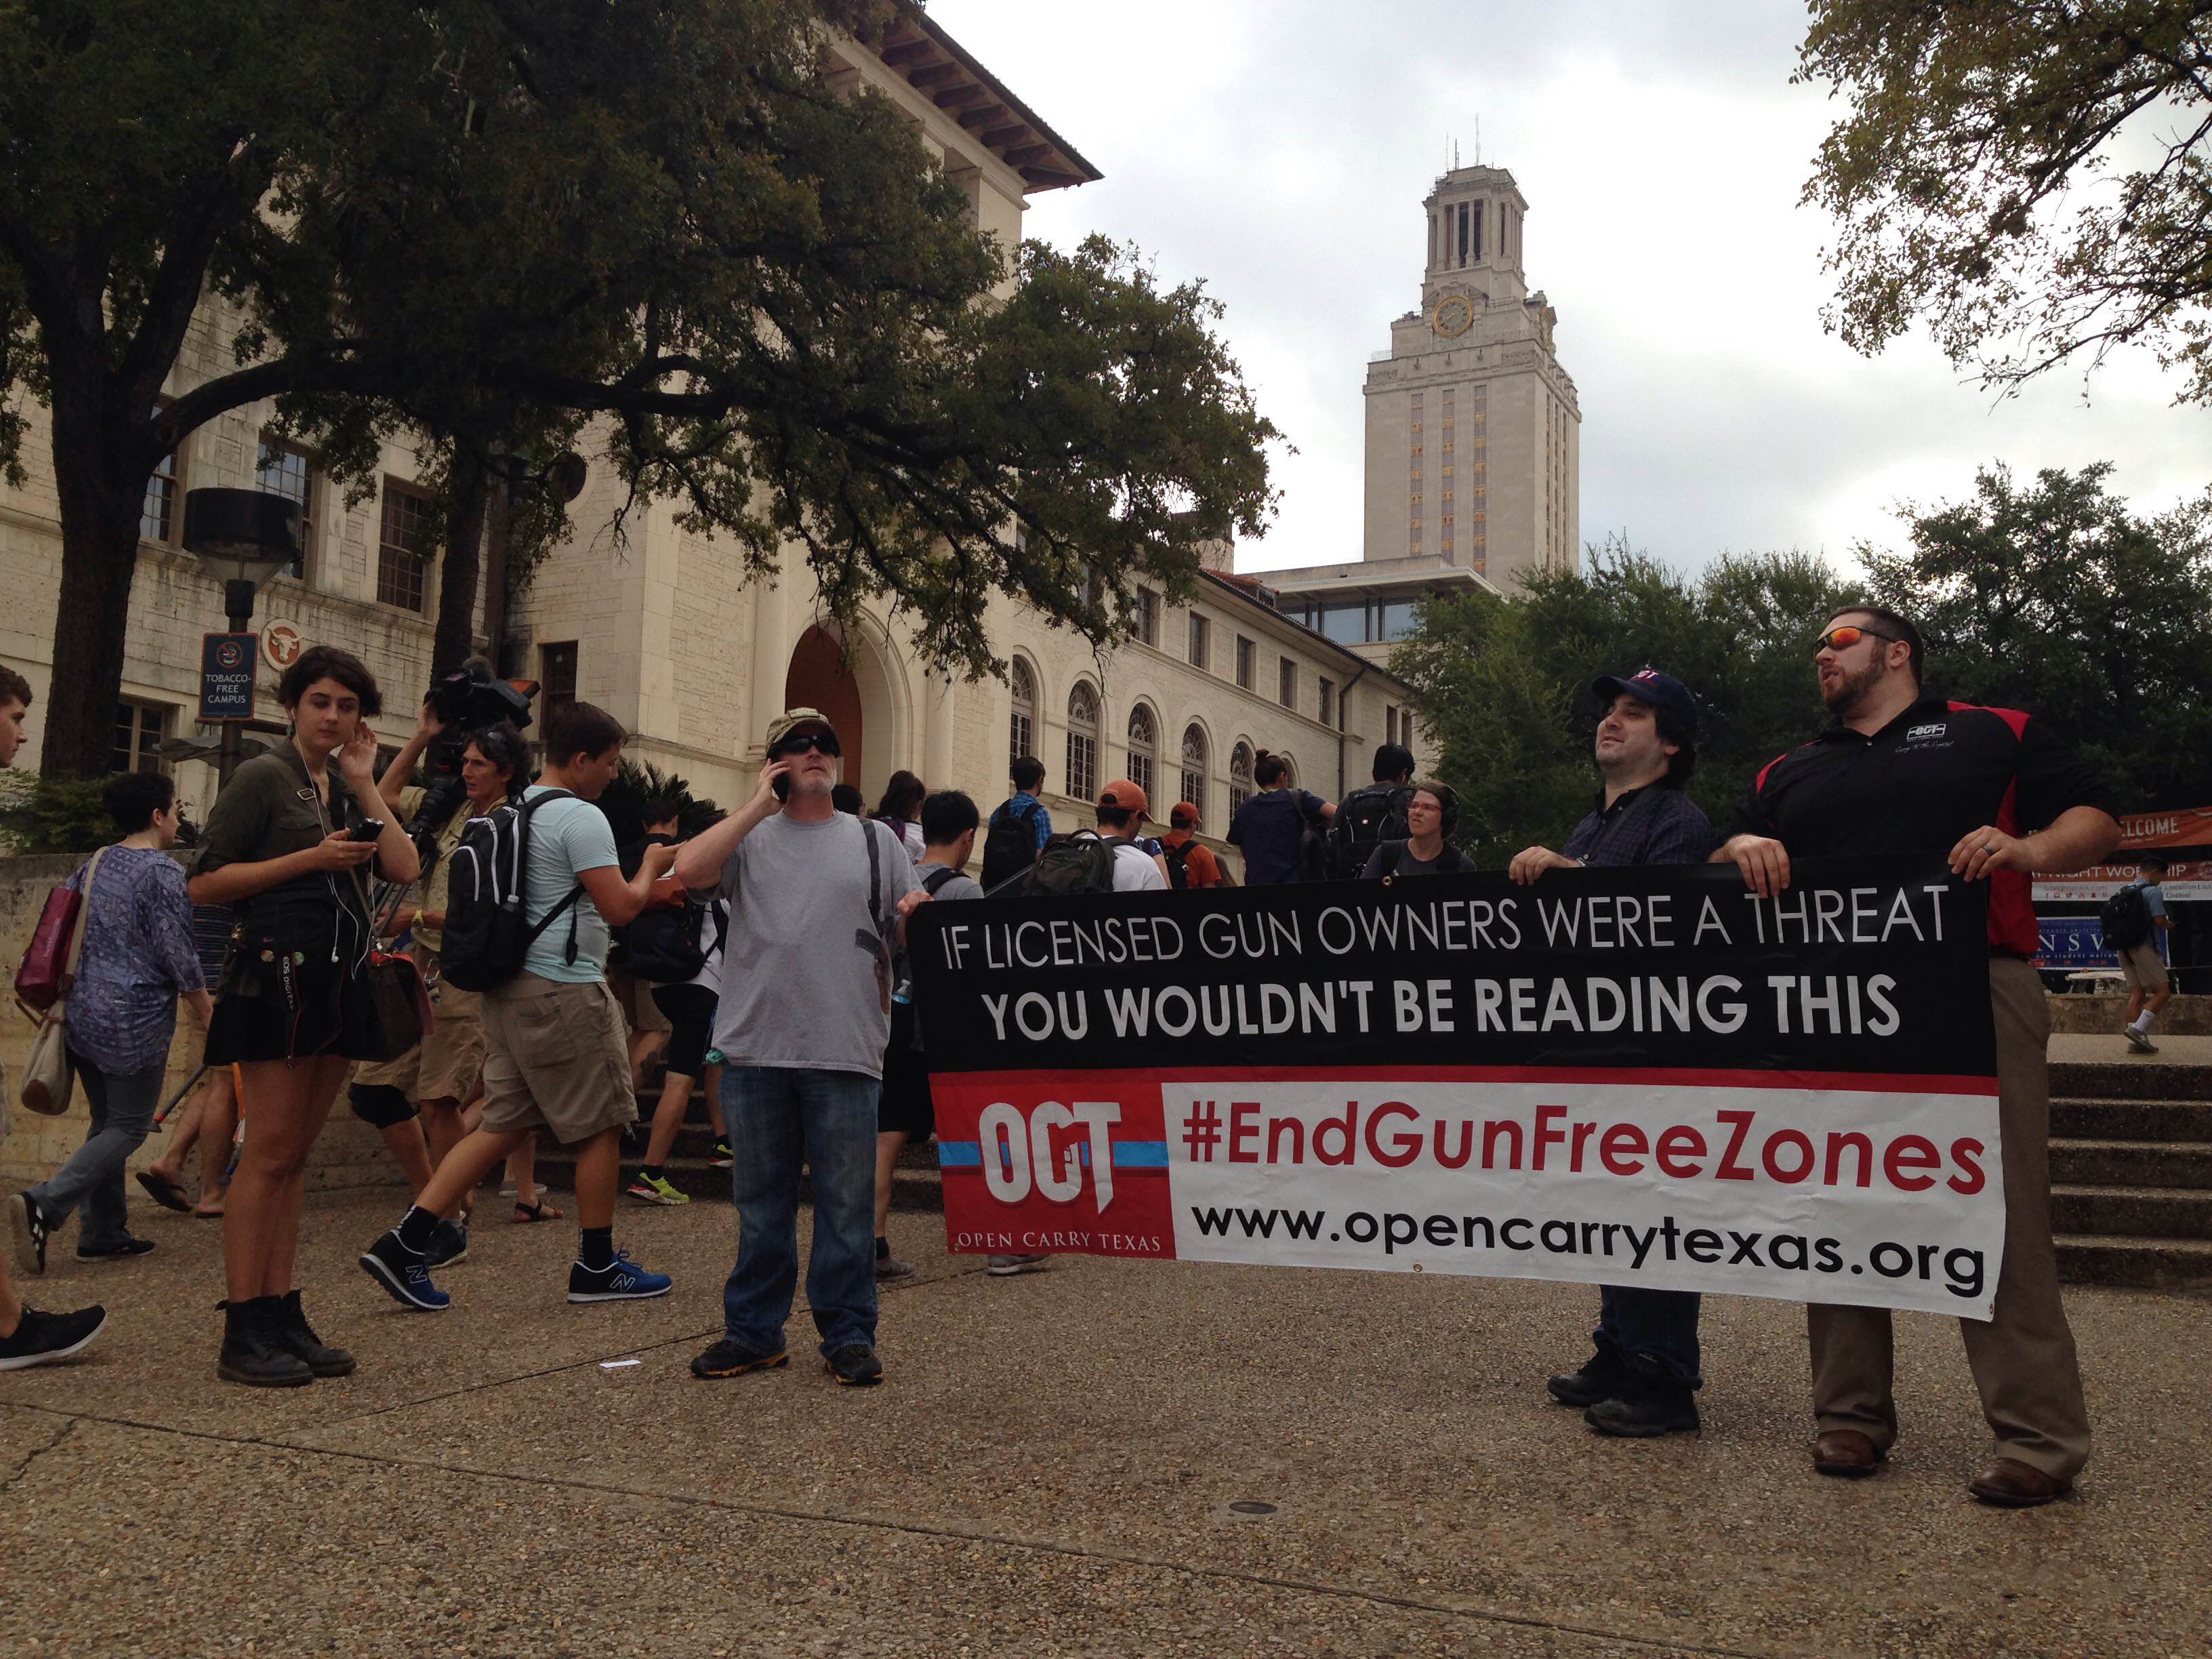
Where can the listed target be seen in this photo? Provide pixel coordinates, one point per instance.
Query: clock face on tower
(1454, 315)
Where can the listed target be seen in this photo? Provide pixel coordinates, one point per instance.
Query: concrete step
(2131, 1163)
(2118, 1080)
(2163, 1264)
(2165, 1213)
(2131, 1120)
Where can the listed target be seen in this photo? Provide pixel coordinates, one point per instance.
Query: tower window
(1478, 231)
(1462, 233)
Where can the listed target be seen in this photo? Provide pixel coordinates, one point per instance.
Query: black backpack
(1175, 855)
(663, 946)
(1449, 862)
(1079, 861)
(487, 887)
(1313, 842)
(1365, 819)
(1009, 846)
(2126, 918)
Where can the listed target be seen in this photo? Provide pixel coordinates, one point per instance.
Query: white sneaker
(2140, 1042)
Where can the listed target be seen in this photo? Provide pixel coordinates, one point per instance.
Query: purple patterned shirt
(138, 959)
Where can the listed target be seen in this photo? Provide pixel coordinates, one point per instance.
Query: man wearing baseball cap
(1642, 1380)
(1122, 810)
(815, 897)
(1180, 846)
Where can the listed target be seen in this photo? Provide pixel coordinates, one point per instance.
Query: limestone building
(666, 634)
(1473, 431)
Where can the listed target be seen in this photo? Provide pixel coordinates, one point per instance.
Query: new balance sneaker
(620, 1280)
(855, 1366)
(449, 1242)
(728, 1358)
(26, 1228)
(41, 1337)
(655, 1190)
(1006, 1266)
(722, 1159)
(1599, 1376)
(2140, 1041)
(403, 1271)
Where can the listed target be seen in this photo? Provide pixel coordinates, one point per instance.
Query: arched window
(1144, 746)
(1193, 768)
(1240, 776)
(1082, 741)
(1289, 772)
(1021, 730)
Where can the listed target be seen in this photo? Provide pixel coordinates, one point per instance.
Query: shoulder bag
(47, 1074)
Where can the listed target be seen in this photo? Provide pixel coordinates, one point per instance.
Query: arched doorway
(861, 698)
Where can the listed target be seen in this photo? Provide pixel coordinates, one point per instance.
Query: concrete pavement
(1049, 1470)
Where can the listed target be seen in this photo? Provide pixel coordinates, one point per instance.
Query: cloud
(1281, 153)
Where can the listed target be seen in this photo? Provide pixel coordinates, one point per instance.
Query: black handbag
(399, 1014)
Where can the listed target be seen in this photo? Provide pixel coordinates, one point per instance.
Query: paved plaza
(1050, 1469)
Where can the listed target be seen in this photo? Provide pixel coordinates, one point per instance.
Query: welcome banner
(1641, 1076)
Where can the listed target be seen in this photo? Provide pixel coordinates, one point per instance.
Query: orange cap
(1124, 795)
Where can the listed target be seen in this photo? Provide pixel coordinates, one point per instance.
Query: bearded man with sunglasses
(1995, 792)
(815, 897)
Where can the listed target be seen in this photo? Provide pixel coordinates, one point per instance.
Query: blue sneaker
(620, 1280)
(404, 1272)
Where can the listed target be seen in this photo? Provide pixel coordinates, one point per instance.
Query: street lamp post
(242, 538)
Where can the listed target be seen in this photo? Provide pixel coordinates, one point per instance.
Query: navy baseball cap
(1660, 690)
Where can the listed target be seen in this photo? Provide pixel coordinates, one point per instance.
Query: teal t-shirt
(566, 837)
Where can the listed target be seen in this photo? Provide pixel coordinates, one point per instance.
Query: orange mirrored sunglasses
(1842, 639)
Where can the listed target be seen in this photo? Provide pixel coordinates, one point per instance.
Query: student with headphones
(1431, 814)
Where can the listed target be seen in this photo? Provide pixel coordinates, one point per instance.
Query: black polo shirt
(1918, 785)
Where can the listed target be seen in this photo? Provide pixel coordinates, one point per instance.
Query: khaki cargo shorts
(447, 1063)
(556, 1058)
(2141, 967)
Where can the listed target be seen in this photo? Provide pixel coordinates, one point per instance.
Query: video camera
(467, 700)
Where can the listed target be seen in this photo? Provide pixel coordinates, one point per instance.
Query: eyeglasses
(1842, 639)
(800, 742)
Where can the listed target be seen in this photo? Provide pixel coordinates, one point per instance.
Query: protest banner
(1644, 1076)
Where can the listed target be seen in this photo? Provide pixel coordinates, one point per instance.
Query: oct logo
(1044, 1151)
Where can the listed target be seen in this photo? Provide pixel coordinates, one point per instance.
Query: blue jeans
(123, 1105)
(777, 1118)
(1661, 1325)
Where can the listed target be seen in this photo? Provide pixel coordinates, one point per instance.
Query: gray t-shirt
(798, 992)
(566, 837)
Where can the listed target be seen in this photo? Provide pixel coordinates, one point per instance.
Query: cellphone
(782, 787)
(366, 830)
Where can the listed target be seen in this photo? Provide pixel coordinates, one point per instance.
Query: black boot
(1597, 1380)
(251, 1354)
(289, 1330)
(1649, 1400)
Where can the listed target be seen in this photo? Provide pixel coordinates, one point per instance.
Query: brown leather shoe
(1845, 1452)
(2011, 1484)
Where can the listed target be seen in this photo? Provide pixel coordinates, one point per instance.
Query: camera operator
(441, 1074)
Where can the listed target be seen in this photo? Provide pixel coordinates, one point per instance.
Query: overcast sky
(1280, 151)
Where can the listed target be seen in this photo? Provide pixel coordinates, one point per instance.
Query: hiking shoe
(26, 1230)
(288, 1328)
(722, 1159)
(1006, 1266)
(2140, 1041)
(124, 1246)
(656, 1189)
(1648, 1401)
(251, 1352)
(40, 1337)
(854, 1365)
(890, 1268)
(728, 1358)
(621, 1281)
(449, 1242)
(1599, 1376)
(403, 1272)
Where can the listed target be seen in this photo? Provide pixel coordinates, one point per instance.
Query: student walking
(283, 845)
(136, 959)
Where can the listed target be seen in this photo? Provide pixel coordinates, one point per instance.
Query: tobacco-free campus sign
(1639, 1076)
(226, 670)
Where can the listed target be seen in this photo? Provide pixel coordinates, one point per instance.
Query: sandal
(541, 1211)
(169, 1194)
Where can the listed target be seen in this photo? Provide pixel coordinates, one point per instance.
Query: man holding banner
(1642, 1380)
(1900, 774)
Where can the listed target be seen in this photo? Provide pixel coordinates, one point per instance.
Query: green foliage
(1961, 173)
(639, 781)
(2053, 597)
(1504, 686)
(42, 814)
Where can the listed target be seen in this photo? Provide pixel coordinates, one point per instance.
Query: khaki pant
(2023, 1357)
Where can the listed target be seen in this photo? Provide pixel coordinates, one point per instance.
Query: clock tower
(1473, 430)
